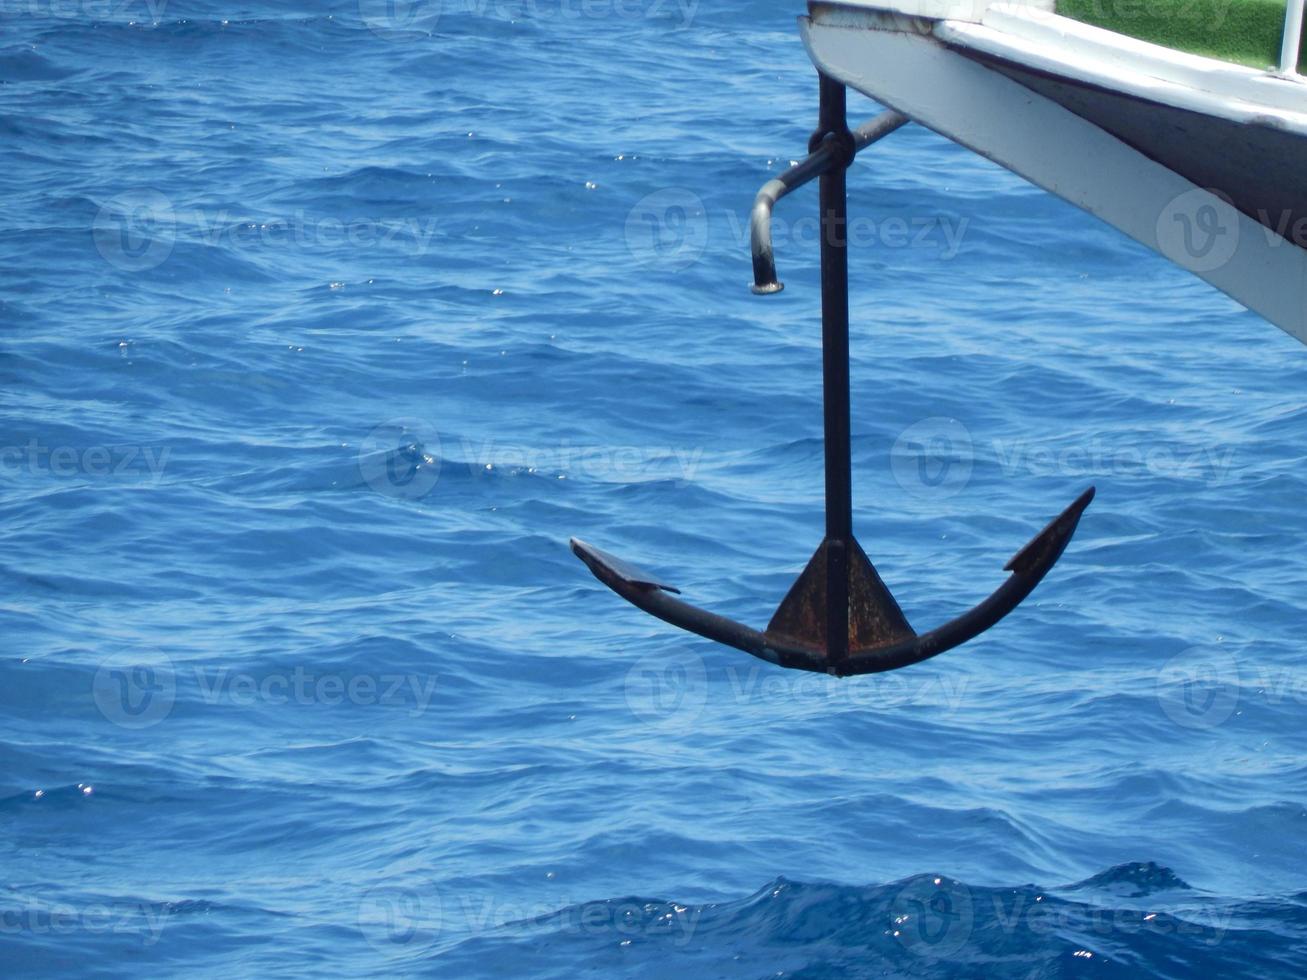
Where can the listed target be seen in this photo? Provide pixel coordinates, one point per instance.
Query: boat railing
(1292, 39)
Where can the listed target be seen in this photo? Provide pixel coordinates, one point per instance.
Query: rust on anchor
(874, 616)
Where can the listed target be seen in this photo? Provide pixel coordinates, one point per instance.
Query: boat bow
(1202, 161)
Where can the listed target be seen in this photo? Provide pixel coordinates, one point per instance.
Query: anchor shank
(832, 129)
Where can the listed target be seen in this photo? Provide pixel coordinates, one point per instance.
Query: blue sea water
(326, 325)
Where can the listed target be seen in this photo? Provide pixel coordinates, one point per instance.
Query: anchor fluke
(616, 568)
(1053, 538)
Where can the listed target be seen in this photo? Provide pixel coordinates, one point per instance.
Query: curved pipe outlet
(811, 166)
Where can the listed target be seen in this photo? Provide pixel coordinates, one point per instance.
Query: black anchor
(838, 617)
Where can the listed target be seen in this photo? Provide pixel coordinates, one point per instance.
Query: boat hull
(1261, 169)
(1052, 134)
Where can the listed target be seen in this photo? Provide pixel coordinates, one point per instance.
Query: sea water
(326, 325)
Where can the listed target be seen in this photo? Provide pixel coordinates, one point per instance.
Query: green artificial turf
(1243, 31)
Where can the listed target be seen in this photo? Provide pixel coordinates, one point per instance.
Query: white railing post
(1292, 37)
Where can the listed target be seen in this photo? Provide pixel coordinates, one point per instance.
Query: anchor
(838, 618)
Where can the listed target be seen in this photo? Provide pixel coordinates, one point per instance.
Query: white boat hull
(902, 62)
